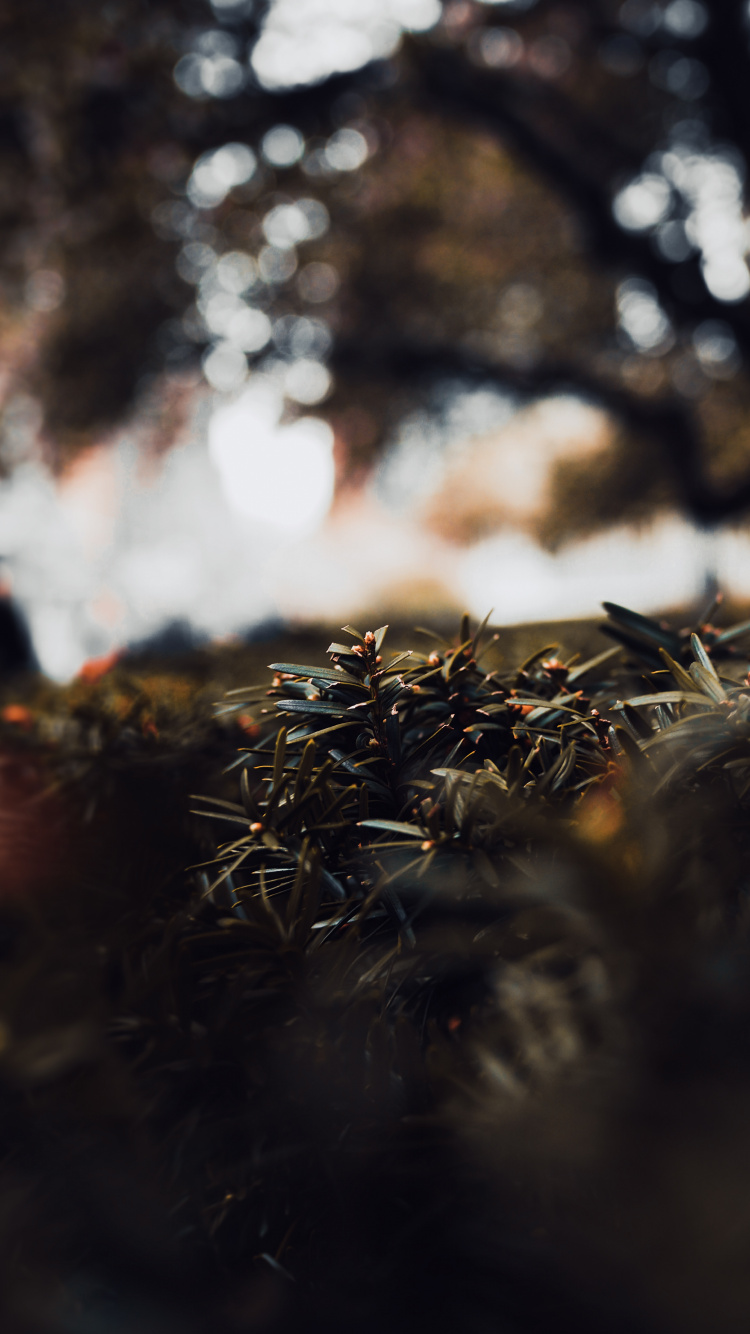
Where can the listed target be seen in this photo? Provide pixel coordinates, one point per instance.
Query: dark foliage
(451, 1031)
(16, 650)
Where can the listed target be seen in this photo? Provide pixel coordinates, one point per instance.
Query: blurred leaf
(637, 724)
(586, 667)
(393, 827)
(683, 678)
(536, 656)
(297, 735)
(630, 747)
(735, 632)
(323, 707)
(396, 662)
(304, 769)
(279, 758)
(484, 868)
(670, 697)
(644, 626)
(477, 638)
(321, 673)
(708, 682)
(702, 656)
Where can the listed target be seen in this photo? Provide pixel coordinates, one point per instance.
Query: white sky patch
(428, 445)
(88, 498)
(485, 457)
(649, 568)
(502, 477)
(233, 527)
(304, 41)
(44, 556)
(281, 476)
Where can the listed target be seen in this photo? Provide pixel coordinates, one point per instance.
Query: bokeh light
(45, 290)
(346, 150)
(212, 68)
(219, 171)
(280, 475)
(236, 272)
(307, 381)
(679, 74)
(500, 48)
(302, 336)
(705, 183)
(303, 41)
(716, 348)
(277, 264)
(282, 146)
(225, 366)
(685, 18)
(317, 282)
(643, 203)
(641, 318)
(287, 225)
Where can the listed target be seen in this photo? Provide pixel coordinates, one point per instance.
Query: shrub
(449, 1031)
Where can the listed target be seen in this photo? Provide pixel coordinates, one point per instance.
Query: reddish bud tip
(246, 723)
(18, 714)
(96, 668)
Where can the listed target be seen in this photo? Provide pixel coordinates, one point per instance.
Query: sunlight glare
(304, 41)
(282, 476)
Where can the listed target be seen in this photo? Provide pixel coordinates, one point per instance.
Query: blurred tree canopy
(541, 196)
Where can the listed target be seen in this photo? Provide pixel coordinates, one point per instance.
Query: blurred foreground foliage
(433, 1012)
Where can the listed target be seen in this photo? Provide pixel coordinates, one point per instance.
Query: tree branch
(669, 423)
(500, 105)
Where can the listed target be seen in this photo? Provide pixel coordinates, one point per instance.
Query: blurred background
(316, 310)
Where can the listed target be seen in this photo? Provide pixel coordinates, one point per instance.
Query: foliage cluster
(452, 1028)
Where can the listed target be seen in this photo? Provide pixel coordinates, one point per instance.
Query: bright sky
(236, 527)
(306, 40)
(238, 524)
